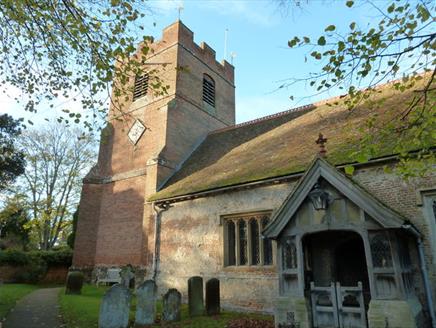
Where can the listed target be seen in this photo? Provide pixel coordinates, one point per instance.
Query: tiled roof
(281, 144)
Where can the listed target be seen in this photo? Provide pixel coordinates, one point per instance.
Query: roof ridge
(265, 118)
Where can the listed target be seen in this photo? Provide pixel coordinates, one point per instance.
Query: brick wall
(112, 225)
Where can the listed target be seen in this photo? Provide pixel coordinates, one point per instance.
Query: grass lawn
(10, 294)
(81, 311)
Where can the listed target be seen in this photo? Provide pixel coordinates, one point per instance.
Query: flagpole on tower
(225, 43)
(180, 8)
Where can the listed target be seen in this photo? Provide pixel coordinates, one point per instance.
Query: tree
(14, 225)
(66, 49)
(57, 160)
(399, 47)
(11, 158)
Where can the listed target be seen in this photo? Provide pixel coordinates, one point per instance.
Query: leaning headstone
(171, 305)
(115, 307)
(145, 303)
(195, 296)
(74, 283)
(126, 275)
(213, 296)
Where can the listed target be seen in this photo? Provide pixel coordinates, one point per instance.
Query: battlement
(178, 33)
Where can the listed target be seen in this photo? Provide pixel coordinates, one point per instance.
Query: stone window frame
(246, 217)
(428, 198)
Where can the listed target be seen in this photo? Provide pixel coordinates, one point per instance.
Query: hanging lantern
(319, 198)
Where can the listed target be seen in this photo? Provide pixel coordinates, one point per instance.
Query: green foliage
(16, 257)
(10, 294)
(34, 264)
(14, 229)
(74, 283)
(400, 46)
(12, 161)
(72, 50)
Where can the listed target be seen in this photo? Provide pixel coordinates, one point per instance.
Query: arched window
(254, 234)
(267, 245)
(231, 242)
(208, 90)
(141, 86)
(242, 225)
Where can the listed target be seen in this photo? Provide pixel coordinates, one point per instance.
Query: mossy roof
(283, 144)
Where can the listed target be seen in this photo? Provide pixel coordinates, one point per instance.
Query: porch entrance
(336, 279)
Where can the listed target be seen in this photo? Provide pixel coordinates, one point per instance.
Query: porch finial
(321, 141)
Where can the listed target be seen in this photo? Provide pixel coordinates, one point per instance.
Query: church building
(265, 206)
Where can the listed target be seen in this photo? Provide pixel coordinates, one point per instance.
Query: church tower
(142, 149)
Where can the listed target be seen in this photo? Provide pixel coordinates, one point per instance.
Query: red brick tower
(138, 153)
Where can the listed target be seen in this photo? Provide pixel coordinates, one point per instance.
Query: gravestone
(146, 303)
(213, 296)
(171, 305)
(74, 283)
(195, 296)
(127, 275)
(114, 308)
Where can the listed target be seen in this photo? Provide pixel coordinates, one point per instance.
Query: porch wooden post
(300, 264)
(369, 264)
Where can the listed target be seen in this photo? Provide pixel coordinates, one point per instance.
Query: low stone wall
(54, 274)
(8, 273)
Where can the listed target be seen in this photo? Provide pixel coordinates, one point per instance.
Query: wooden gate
(337, 306)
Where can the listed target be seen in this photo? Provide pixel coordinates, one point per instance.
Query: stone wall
(192, 245)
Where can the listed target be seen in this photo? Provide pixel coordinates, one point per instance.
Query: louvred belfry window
(141, 86)
(208, 90)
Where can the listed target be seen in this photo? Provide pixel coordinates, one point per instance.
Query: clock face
(136, 132)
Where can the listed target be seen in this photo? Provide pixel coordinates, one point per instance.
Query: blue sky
(258, 32)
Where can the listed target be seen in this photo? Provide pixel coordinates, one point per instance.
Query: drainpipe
(158, 209)
(427, 286)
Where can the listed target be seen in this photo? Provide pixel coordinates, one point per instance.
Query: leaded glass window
(434, 210)
(231, 258)
(289, 253)
(267, 245)
(244, 242)
(381, 250)
(254, 232)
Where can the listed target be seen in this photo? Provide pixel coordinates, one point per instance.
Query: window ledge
(251, 268)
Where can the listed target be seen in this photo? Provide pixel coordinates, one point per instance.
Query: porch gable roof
(384, 215)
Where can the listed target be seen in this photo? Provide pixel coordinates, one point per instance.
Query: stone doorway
(336, 278)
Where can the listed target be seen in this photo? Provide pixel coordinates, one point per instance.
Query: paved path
(38, 309)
